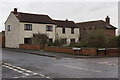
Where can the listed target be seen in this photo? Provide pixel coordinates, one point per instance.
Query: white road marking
(108, 63)
(42, 75)
(15, 66)
(20, 77)
(18, 71)
(15, 70)
(15, 77)
(85, 69)
(103, 62)
(22, 71)
(26, 74)
(28, 71)
(47, 77)
(35, 73)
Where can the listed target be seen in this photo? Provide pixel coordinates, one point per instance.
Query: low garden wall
(59, 49)
(29, 46)
(83, 51)
(113, 51)
(88, 51)
(2, 41)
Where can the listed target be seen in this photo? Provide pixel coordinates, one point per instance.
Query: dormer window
(27, 26)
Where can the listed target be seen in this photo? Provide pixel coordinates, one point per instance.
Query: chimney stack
(66, 20)
(15, 10)
(107, 20)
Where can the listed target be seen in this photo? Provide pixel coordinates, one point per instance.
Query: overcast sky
(77, 11)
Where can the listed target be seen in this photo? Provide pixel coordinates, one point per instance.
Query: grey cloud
(76, 11)
(100, 6)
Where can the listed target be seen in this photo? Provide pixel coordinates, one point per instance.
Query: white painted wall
(12, 37)
(67, 34)
(17, 34)
(36, 28)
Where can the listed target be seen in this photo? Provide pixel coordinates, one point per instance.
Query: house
(2, 39)
(20, 27)
(87, 27)
(67, 30)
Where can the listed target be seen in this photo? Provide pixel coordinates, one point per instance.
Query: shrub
(57, 42)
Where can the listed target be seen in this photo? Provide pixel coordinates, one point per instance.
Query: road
(23, 65)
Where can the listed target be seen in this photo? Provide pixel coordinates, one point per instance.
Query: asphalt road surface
(23, 65)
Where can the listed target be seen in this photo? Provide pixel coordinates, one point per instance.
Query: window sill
(27, 30)
(50, 31)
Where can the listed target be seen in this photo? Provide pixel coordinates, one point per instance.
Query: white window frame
(28, 27)
(9, 28)
(49, 28)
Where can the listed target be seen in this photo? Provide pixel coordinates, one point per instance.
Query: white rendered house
(20, 27)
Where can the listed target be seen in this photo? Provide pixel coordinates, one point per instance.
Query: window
(50, 40)
(72, 30)
(84, 29)
(79, 38)
(49, 28)
(63, 30)
(64, 41)
(92, 37)
(27, 40)
(28, 27)
(9, 28)
(72, 40)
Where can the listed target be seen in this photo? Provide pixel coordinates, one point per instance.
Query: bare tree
(97, 38)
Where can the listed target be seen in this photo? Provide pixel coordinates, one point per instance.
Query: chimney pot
(66, 20)
(108, 20)
(15, 10)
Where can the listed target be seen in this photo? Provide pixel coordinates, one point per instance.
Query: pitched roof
(65, 24)
(34, 18)
(95, 24)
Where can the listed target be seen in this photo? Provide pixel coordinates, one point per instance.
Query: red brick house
(86, 27)
(2, 39)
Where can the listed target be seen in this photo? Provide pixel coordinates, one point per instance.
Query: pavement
(52, 54)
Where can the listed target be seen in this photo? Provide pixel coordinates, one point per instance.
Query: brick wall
(110, 32)
(88, 51)
(83, 51)
(59, 49)
(2, 41)
(113, 51)
(28, 46)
